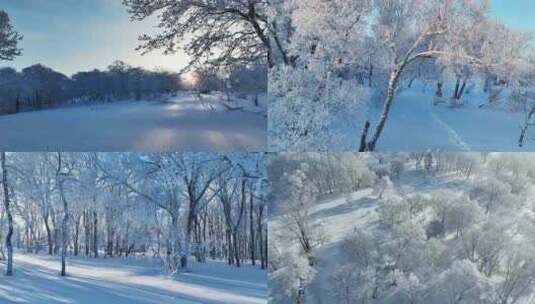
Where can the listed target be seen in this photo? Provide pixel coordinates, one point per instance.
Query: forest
(402, 228)
(168, 207)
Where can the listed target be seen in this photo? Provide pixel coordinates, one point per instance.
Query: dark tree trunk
(461, 91)
(236, 249)
(438, 93)
(456, 92)
(76, 235)
(87, 231)
(370, 75)
(48, 234)
(7, 207)
(251, 228)
(229, 248)
(95, 234)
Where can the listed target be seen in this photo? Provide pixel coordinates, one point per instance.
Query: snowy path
(415, 124)
(182, 125)
(118, 281)
(454, 137)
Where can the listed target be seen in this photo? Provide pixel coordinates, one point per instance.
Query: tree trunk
(230, 249)
(9, 246)
(76, 234)
(370, 75)
(266, 250)
(187, 241)
(87, 232)
(263, 258)
(251, 227)
(456, 92)
(236, 249)
(64, 234)
(461, 91)
(60, 180)
(392, 85)
(438, 93)
(48, 234)
(95, 234)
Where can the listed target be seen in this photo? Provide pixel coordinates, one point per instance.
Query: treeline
(37, 86)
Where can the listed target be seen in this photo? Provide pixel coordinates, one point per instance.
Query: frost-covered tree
(124, 204)
(393, 209)
(517, 277)
(492, 194)
(342, 48)
(416, 30)
(297, 211)
(217, 33)
(9, 38)
(459, 284)
(64, 171)
(306, 94)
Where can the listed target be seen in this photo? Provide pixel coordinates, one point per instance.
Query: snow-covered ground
(118, 280)
(415, 124)
(182, 123)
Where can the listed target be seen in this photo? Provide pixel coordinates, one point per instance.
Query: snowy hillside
(451, 228)
(184, 123)
(132, 280)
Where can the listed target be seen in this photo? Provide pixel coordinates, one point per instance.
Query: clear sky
(518, 14)
(81, 35)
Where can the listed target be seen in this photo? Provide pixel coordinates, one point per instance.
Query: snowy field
(118, 281)
(183, 123)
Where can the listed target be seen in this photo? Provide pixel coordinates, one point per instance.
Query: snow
(120, 280)
(415, 124)
(180, 123)
(340, 215)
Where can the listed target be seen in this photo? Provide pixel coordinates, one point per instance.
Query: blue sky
(518, 14)
(80, 35)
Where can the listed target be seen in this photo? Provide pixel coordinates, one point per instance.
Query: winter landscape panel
(133, 228)
(134, 76)
(402, 75)
(374, 228)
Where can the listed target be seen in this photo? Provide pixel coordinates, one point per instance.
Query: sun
(190, 79)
